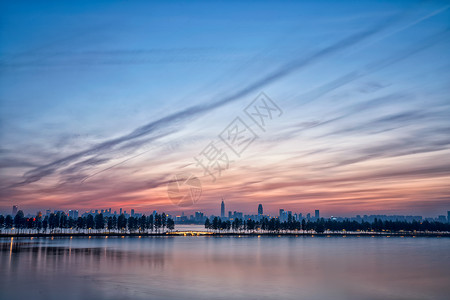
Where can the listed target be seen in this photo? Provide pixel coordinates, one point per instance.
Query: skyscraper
(317, 214)
(448, 216)
(14, 210)
(260, 210)
(222, 209)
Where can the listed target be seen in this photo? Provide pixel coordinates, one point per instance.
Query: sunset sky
(103, 102)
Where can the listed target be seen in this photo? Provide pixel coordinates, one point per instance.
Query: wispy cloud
(197, 110)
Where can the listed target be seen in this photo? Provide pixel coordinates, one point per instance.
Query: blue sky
(131, 92)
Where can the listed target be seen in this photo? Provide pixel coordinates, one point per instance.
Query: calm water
(225, 268)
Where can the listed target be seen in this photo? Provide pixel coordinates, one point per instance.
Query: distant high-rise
(222, 209)
(448, 216)
(14, 210)
(132, 212)
(260, 210)
(281, 212)
(73, 214)
(442, 219)
(120, 212)
(198, 216)
(317, 214)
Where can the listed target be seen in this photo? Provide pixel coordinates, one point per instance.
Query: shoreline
(225, 234)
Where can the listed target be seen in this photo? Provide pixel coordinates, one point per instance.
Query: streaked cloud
(364, 128)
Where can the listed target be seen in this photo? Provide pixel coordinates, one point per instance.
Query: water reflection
(225, 268)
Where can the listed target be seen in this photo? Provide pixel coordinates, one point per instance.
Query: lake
(205, 267)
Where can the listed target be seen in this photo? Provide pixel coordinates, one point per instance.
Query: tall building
(199, 216)
(281, 213)
(238, 215)
(448, 216)
(132, 212)
(222, 209)
(14, 210)
(120, 212)
(260, 210)
(317, 214)
(73, 214)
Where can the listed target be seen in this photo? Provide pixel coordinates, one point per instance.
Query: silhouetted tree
(114, 223)
(90, 222)
(45, 224)
(158, 222)
(122, 223)
(150, 222)
(9, 222)
(142, 223)
(207, 224)
(109, 224)
(38, 223)
(81, 223)
(170, 224)
(132, 224)
(19, 220)
(99, 222)
(216, 223)
(2, 223)
(163, 220)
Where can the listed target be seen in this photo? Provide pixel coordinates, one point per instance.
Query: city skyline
(271, 209)
(226, 214)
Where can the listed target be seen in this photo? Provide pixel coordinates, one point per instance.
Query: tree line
(99, 223)
(274, 225)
